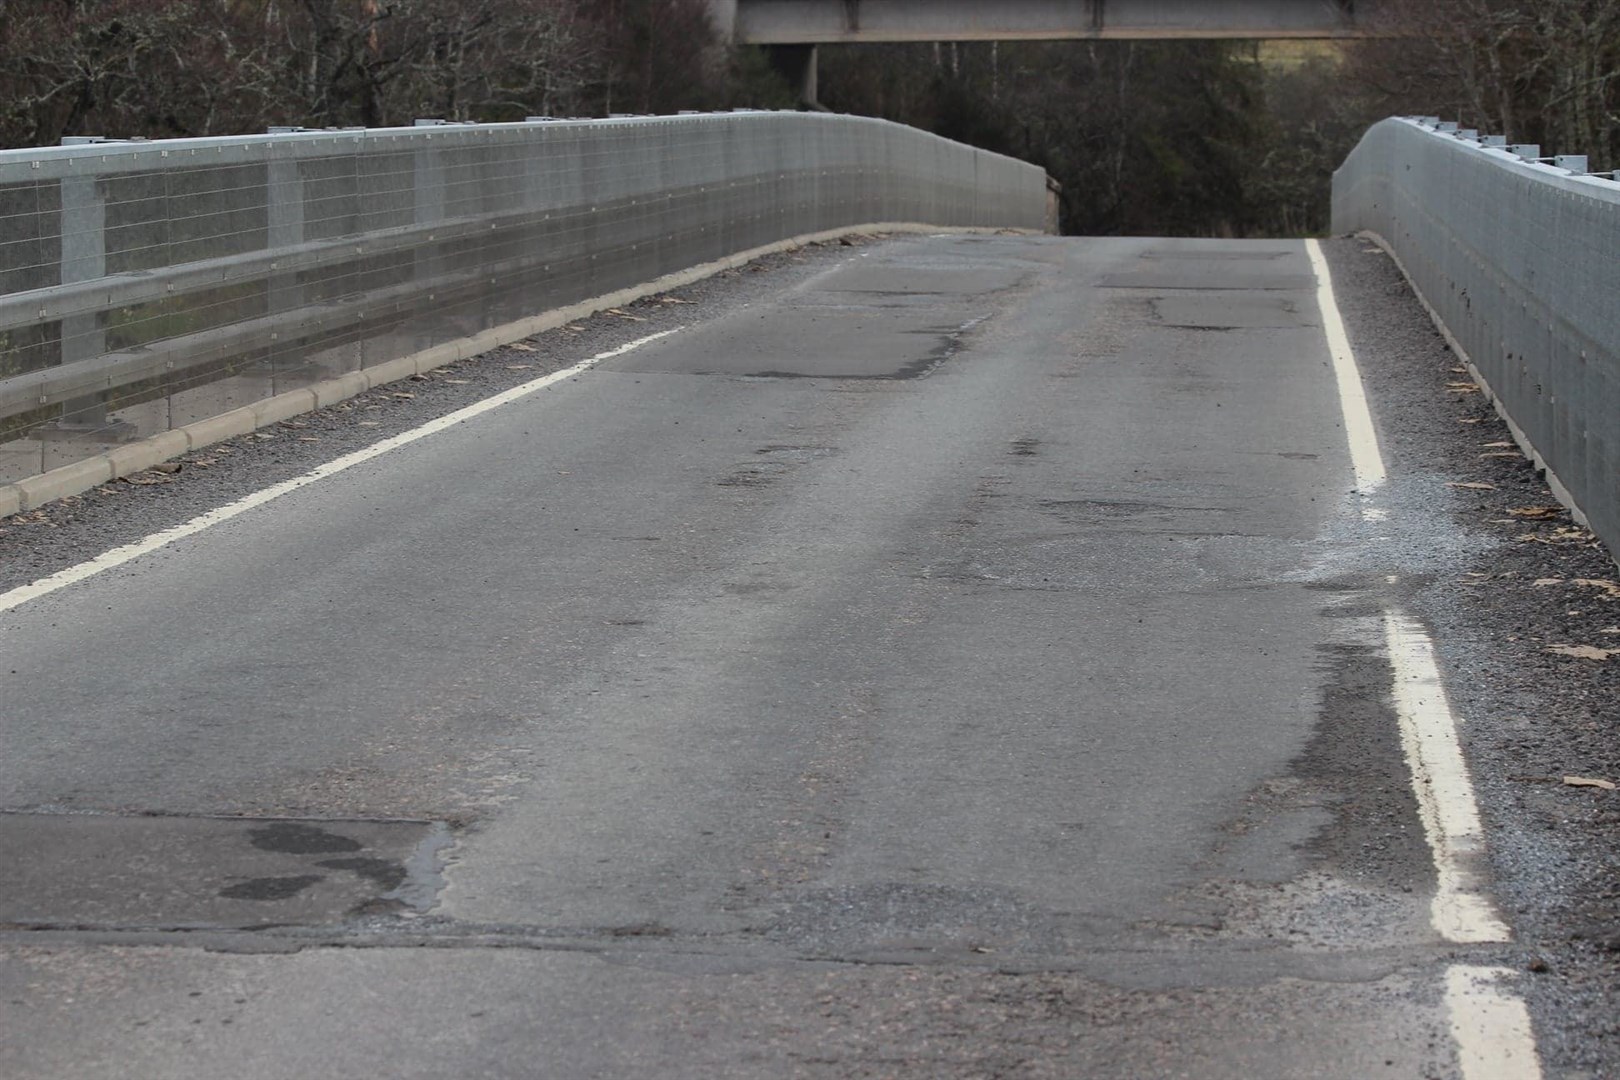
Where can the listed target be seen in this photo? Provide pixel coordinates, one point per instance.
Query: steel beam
(807, 22)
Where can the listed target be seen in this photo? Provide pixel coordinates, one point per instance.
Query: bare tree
(1543, 71)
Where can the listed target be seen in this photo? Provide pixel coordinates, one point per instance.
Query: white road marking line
(1365, 458)
(1490, 1026)
(118, 556)
(1461, 911)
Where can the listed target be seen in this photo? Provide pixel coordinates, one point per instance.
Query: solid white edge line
(1365, 459)
(1491, 1026)
(118, 556)
(1461, 911)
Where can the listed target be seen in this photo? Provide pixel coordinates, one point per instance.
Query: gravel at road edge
(1519, 584)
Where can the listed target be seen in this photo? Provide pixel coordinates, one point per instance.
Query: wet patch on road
(91, 871)
(1330, 854)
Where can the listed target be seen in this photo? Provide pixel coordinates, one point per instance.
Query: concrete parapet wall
(1519, 261)
(149, 286)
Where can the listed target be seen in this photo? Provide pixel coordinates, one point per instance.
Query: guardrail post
(428, 184)
(84, 258)
(284, 199)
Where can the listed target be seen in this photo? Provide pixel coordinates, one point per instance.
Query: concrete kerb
(67, 480)
(138, 456)
(81, 476)
(1556, 486)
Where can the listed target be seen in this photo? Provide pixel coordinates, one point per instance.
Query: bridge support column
(797, 64)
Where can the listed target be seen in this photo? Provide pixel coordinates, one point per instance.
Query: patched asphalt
(907, 669)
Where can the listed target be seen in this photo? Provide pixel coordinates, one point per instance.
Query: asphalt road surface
(970, 657)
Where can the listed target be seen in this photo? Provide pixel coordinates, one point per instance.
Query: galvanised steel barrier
(147, 285)
(1518, 258)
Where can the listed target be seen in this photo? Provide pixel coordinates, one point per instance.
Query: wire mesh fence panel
(146, 285)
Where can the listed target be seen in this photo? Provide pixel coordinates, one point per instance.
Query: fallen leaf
(402, 394)
(1582, 781)
(1498, 446)
(1471, 420)
(1597, 583)
(1564, 534)
(1462, 387)
(458, 382)
(368, 423)
(1535, 513)
(674, 300)
(418, 377)
(622, 314)
(518, 367)
(521, 347)
(166, 467)
(1541, 582)
(1473, 485)
(1583, 652)
(1610, 630)
(1503, 454)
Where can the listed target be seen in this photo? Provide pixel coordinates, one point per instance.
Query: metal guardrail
(147, 285)
(1518, 256)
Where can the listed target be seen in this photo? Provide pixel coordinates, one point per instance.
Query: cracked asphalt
(942, 657)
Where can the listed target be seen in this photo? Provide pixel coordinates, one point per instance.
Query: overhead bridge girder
(809, 22)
